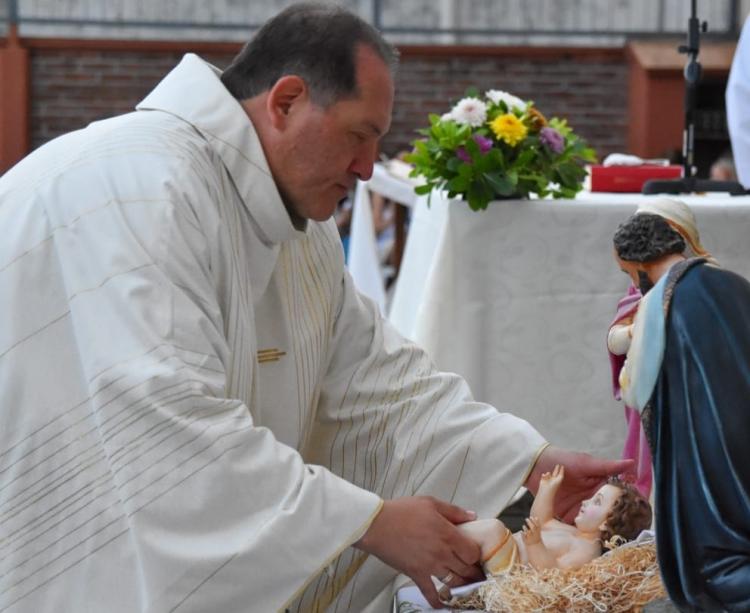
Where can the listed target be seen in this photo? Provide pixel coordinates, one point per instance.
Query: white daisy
(447, 116)
(470, 111)
(511, 101)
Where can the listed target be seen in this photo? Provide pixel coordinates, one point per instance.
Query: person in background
(738, 110)
(200, 412)
(343, 217)
(723, 169)
(390, 221)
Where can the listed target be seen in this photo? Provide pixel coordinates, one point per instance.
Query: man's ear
(603, 527)
(286, 94)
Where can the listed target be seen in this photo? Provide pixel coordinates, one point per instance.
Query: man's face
(323, 151)
(592, 517)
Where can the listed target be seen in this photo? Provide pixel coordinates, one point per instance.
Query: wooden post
(14, 101)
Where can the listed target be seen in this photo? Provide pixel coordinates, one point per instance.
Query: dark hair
(645, 237)
(317, 42)
(630, 515)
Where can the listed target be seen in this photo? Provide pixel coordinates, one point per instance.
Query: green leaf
(525, 157)
(458, 184)
(465, 171)
(570, 173)
(494, 159)
(472, 147)
(482, 192)
(453, 164)
(502, 184)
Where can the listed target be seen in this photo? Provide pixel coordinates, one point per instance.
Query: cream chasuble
(199, 412)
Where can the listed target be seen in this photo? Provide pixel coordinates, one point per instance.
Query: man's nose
(364, 161)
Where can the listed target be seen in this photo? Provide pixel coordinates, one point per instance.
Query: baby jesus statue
(615, 514)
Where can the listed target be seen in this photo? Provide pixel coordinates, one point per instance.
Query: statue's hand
(554, 479)
(532, 531)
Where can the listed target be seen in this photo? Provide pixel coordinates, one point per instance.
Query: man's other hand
(418, 537)
(584, 474)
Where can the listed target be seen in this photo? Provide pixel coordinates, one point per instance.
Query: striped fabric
(199, 412)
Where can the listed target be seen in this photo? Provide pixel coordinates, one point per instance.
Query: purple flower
(553, 140)
(484, 144)
(463, 155)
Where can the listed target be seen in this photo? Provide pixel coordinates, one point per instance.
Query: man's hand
(418, 537)
(584, 474)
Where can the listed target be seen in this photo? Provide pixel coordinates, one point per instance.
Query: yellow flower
(509, 128)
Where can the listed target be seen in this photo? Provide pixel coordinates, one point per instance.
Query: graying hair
(315, 41)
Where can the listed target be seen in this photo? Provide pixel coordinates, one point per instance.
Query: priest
(199, 411)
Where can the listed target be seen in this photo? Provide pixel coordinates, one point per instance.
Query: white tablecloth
(518, 300)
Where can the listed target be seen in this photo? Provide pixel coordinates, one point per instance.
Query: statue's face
(593, 514)
(629, 268)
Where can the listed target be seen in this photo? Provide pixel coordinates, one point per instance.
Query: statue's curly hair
(645, 237)
(630, 515)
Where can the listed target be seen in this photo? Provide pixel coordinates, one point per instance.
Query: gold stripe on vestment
(270, 355)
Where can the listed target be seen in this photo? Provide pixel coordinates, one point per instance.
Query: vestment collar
(193, 92)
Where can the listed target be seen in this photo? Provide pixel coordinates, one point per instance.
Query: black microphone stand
(689, 183)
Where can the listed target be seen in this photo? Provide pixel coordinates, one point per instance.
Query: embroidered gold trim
(270, 355)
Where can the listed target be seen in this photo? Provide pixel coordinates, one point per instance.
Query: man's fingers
(453, 513)
(418, 535)
(445, 593)
(624, 467)
(462, 570)
(475, 575)
(617, 467)
(472, 574)
(467, 551)
(428, 590)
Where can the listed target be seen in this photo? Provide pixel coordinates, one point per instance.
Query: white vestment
(199, 412)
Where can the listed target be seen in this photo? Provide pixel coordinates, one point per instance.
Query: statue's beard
(644, 283)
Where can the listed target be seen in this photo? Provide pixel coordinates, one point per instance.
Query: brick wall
(72, 87)
(591, 92)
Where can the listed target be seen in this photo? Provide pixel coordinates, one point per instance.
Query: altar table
(518, 299)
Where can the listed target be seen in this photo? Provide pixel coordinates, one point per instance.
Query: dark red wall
(72, 86)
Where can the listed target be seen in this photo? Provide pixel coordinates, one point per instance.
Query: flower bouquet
(499, 147)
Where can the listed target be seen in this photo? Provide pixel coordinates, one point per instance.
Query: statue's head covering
(681, 218)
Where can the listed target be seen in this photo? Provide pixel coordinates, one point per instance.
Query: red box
(629, 178)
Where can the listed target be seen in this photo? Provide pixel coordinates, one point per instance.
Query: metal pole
(377, 21)
(661, 15)
(12, 12)
(734, 17)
